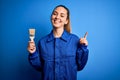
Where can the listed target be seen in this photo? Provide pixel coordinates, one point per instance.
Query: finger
(31, 48)
(84, 42)
(85, 36)
(81, 39)
(31, 41)
(31, 44)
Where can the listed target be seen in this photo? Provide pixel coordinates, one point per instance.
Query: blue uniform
(59, 58)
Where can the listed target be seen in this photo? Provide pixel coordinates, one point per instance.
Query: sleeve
(34, 60)
(81, 56)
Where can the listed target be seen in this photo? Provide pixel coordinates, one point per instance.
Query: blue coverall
(59, 58)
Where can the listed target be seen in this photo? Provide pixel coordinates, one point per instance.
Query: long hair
(67, 26)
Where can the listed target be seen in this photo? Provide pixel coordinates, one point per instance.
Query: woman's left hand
(83, 41)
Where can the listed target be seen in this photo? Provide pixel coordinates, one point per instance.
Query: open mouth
(57, 21)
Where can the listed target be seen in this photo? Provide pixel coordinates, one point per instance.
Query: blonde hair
(67, 26)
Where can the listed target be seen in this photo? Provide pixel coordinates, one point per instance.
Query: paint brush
(32, 34)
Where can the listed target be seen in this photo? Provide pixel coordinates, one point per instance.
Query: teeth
(57, 21)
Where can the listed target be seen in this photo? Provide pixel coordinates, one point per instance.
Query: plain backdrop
(100, 18)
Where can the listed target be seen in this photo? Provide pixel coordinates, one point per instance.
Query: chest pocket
(69, 49)
(47, 53)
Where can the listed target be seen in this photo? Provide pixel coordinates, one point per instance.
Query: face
(59, 17)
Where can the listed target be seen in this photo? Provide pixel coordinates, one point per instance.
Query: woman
(60, 54)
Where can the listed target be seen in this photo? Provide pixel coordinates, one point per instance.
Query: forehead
(61, 10)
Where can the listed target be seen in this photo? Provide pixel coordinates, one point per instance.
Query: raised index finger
(85, 36)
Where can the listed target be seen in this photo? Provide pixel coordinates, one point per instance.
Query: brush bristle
(32, 32)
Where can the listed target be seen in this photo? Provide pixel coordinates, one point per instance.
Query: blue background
(101, 18)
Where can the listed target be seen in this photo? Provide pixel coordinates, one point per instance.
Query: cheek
(52, 17)
(65, 21)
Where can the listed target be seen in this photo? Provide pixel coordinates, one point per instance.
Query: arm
(81, 56)
(82, 52)
(34, 57)
(34, 60)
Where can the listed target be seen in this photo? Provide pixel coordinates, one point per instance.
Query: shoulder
(74, 36)
(74, 39)
(43, 39)
(68, 35)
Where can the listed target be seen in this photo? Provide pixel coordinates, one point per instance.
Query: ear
(66, 21)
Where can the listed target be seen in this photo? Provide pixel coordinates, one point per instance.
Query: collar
(64, 36)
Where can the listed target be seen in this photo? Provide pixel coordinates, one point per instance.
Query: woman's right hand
(31, 47)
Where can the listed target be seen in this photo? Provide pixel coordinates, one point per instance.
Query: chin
(56, 26)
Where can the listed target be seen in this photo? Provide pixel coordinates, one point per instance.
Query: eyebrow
(60, 13)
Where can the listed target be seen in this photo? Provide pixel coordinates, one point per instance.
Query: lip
(56, 21)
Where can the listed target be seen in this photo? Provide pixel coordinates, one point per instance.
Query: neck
(58, 32)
